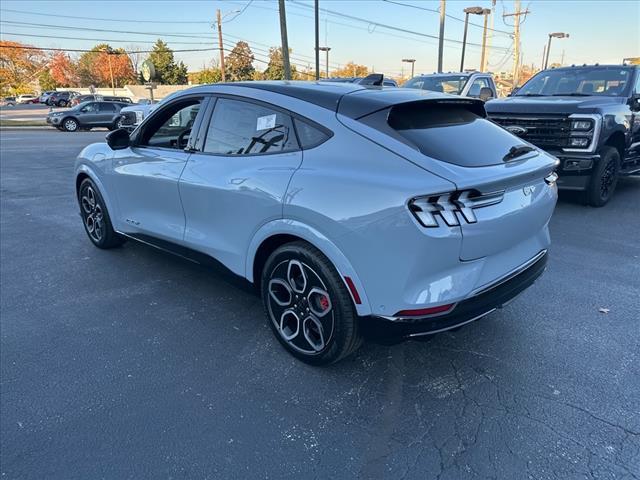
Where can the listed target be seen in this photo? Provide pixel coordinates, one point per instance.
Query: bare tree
(135, 57)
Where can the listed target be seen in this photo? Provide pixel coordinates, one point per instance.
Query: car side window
(308, 135)
(477, 85)
(90, 108)
(244, 128)
(638, 82)
(107, 107)
(171, 128)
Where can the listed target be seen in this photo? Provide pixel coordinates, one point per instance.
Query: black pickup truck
(587, 116)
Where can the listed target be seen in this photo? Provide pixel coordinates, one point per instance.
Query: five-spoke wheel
(95, 217)
(307, 304)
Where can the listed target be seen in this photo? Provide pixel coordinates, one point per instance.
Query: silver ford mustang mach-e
(348, 206)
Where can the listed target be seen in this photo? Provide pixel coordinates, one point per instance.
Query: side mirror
(84, 109)
(118, 139)
(635, 101)
(486, 94)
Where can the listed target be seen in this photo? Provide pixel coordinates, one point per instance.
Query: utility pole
(483, 59)
(224, 78)
(317, 15)
(562, 58)
(544, 56)
(516, 39)
(441, 40)
(490, 34)
(285, 41)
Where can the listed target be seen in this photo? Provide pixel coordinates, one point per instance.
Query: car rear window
(451, 132)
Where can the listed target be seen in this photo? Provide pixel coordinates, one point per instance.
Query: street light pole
(412, 61)
(317, 21)
(553, 35)
(441, 39)
(467, 11)
(326, 50)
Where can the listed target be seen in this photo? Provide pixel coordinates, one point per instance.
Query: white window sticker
(268, 121)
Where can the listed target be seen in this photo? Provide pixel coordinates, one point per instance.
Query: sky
(375, 33)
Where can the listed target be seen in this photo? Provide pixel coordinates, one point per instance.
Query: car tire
(62, 103)
(308, 305)
(70, 124)
(604, 178)
(95, 217)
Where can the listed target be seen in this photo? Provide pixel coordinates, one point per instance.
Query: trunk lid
(501, 200)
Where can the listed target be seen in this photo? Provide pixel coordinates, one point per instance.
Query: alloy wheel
(607, 179)
(93, 214)
(300, 307)
(70, 125)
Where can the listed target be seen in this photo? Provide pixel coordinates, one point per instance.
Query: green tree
(275, 68)
(46, 81)
(168, 71)
(208, 75)
(239, 63)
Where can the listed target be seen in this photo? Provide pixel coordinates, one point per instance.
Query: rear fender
(318, 240)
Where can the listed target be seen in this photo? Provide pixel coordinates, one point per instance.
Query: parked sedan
(344, 204)
(87, 116)
(467, 84)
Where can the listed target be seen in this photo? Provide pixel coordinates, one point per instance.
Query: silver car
(349, 207)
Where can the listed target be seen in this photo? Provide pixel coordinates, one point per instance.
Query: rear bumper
(481, 303)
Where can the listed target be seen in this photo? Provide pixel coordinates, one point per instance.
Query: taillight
(452, 208)
(425, 312)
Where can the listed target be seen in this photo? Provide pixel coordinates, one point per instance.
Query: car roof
(351, 99)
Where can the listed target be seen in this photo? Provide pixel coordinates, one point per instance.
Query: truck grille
(128, 118)
(543, 132)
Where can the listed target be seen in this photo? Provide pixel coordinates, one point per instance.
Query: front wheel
(70, 125)
(604, 178)
(95, 217)
(308, 305)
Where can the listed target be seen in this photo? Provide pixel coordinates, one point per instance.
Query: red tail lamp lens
(424, 312)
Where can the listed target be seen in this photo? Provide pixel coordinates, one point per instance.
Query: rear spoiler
(358, 105)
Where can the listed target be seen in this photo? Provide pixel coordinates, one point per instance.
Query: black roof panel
(325, 94)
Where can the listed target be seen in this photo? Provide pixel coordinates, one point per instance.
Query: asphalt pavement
(132, 363)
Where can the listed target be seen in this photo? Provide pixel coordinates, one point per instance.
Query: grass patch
(25, 123)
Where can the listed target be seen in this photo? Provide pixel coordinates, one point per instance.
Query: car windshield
(578, 81)
(447, 84)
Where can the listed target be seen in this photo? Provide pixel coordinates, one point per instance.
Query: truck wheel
(308, 305)
(604, 178)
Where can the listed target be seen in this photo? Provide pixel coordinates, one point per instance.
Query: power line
(109, 30)
(84, 50)
(383, 25)
(452, 17)
(123, 20)
(95, 39)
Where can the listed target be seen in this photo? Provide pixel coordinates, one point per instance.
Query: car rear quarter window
(244, 128)
(310, 136)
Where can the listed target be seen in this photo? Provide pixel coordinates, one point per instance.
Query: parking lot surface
(132, 363)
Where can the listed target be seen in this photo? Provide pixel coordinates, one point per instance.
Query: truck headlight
(582, 125)
(580, 142)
